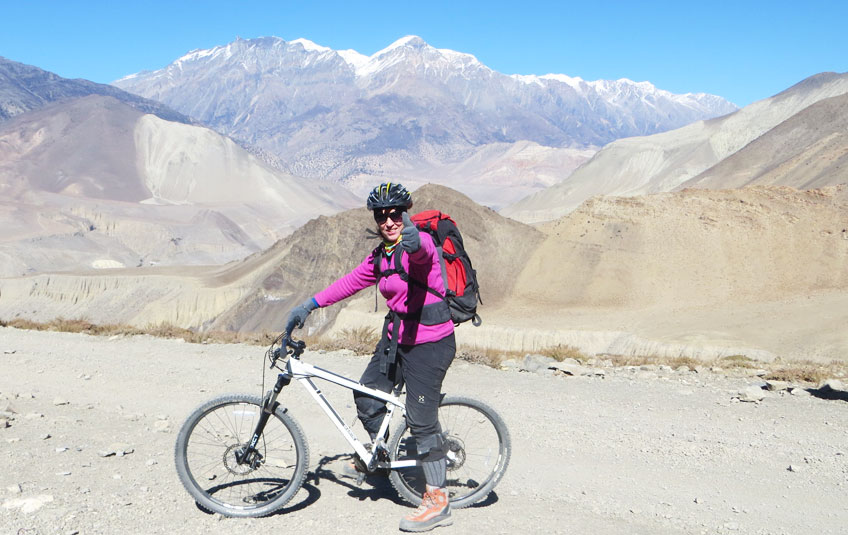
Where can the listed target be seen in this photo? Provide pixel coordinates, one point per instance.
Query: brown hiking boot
(434, 511)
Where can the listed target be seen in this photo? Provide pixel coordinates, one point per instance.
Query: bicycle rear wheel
(479, 450)
(216, 432)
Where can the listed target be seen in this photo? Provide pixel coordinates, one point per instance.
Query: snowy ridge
(400, 50)
(309, 45)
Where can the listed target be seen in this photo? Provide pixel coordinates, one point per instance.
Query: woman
(418, 342)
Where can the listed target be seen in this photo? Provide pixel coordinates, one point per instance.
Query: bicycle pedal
(360, 478)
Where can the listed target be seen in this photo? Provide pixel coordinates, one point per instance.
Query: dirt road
(631, 451)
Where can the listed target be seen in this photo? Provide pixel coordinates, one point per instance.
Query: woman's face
(390, 222)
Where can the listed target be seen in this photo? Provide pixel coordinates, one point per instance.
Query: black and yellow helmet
(389, 195)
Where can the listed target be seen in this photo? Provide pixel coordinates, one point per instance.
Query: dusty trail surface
(635, 451)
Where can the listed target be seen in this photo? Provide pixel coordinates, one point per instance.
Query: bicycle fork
(249, 454)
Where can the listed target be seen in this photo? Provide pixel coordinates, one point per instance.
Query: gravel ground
(620, 450)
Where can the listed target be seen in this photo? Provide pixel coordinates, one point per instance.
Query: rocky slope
(696, 246)
(808, 150)
(26, 88)
(664, 161)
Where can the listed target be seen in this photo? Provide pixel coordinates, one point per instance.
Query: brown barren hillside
(760, 272)
(693, 247)
(327, 247)
(808, 150)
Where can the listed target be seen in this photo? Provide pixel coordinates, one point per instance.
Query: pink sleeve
(361, 277)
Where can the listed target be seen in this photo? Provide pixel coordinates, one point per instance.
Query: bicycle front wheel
(478, 446)
(212, 466)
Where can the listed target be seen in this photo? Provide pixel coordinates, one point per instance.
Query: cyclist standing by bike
(417, 345)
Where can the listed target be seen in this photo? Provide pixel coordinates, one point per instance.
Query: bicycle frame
(304, 373)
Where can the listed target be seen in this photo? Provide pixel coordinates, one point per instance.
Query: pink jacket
(401, 296)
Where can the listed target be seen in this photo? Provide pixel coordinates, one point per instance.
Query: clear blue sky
(743, 51)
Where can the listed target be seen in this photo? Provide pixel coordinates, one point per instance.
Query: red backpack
(462, 292)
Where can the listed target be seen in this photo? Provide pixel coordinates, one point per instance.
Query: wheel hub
(456, 453)
(249, 464)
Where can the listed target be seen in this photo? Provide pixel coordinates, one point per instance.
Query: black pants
(422, 367)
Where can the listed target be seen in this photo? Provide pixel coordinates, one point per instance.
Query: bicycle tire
(205, 457)
(479, 445)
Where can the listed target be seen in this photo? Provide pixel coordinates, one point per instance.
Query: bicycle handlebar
(297, 346)
(288, 346)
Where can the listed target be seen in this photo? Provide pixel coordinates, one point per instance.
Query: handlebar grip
(296, 345)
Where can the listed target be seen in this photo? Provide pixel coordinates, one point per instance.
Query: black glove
(410, 240)
(299, 313)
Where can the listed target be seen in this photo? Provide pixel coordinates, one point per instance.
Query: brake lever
(275, 355)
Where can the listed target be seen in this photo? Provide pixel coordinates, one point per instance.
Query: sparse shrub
(561, 352)
(487, 356)
(360, 340)
(738, 361)
(19, 323)
(807, 371)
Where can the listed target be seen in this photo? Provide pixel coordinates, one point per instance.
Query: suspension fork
(249, 454)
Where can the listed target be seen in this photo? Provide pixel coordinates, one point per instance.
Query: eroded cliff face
(140, 300)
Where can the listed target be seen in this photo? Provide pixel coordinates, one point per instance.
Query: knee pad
(431, 447)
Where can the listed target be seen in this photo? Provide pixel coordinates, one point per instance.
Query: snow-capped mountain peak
(409, 41)
(354, 58)
(412, 46)
(310, 46)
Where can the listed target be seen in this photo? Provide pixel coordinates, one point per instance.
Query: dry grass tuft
(495, 357)
(161, 330)
(807, 371)
(361, 340)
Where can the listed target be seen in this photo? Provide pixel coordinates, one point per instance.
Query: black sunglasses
(381, 215)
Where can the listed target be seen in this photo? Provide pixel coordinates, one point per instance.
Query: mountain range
(409, 112)
(26, 88)
(795, 138)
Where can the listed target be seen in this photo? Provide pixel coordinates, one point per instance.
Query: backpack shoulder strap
(380, 273)
(400, 271)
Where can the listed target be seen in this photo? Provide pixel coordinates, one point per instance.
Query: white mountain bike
(245, 456)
